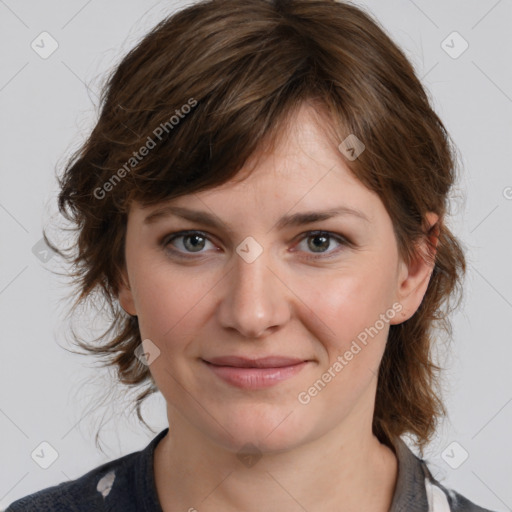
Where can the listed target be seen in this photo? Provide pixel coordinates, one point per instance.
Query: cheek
(348, 308)
(168, 300)
(352, 347)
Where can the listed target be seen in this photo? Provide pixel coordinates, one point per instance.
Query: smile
(256, 374)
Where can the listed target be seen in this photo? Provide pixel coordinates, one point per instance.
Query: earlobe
(414, 278)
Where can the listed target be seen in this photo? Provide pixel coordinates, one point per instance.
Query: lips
(262, 362)
(255, 374)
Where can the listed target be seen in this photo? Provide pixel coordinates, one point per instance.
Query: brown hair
(206, 88)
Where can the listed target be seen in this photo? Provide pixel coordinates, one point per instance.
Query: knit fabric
(127, 484)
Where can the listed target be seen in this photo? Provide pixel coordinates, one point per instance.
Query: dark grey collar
(410, 493)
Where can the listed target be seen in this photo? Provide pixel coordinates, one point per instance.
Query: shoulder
(418, 491)
(440, 496)
(126, 482)
(82, 494)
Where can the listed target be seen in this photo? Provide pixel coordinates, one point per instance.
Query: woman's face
(255, 281)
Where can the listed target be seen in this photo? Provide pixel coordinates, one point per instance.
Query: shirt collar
(410, 493)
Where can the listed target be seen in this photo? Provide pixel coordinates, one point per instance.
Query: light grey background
(47, 111)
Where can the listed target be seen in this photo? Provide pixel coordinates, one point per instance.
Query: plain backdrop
(48, 106)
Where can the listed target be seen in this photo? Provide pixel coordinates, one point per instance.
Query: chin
(270, 430)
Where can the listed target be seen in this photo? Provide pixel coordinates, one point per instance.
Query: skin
(319, 456)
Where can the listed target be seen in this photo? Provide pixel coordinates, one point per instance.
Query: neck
(345, 470)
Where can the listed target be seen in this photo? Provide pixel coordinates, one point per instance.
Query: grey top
(418, 491)
(127, 484)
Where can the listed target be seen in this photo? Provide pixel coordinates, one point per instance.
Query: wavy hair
(207, 87)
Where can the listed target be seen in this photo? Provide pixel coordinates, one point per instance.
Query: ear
(413, 279)
(125, 295)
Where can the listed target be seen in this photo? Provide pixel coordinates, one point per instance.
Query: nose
(255, 299)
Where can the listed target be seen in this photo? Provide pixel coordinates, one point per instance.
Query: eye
(319, 241)
(193, 242)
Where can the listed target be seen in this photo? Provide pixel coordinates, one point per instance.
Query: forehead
(302, 170)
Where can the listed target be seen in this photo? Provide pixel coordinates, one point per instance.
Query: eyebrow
(292, 220)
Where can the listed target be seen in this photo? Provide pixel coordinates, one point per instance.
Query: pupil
(195, 237)
(323, 237)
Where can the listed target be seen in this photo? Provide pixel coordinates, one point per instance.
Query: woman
(262, 203)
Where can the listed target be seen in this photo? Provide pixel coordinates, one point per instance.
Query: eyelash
(167, 239)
